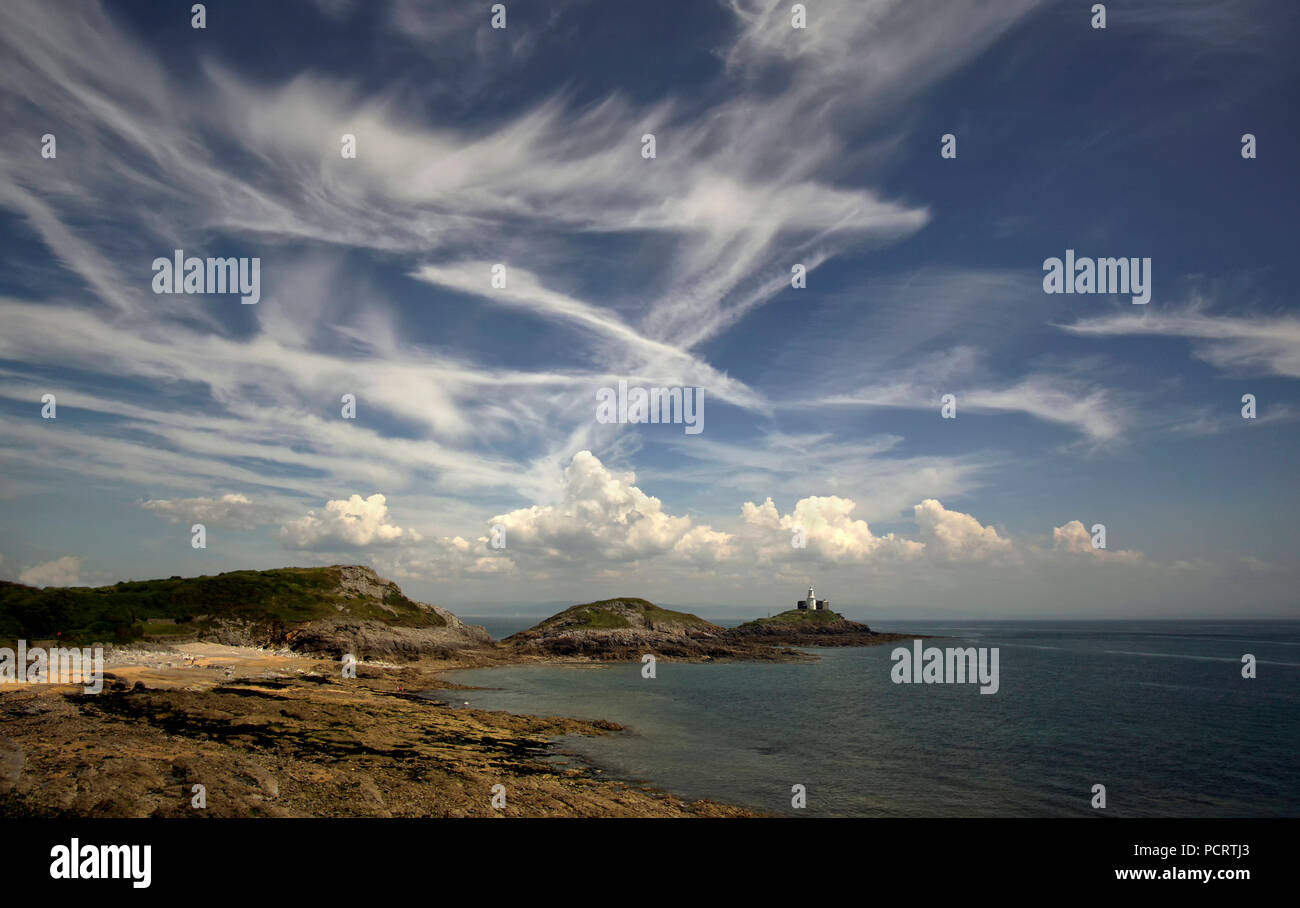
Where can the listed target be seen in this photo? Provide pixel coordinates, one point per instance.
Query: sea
(1156, 712)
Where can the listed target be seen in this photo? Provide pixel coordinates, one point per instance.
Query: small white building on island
(812, 603)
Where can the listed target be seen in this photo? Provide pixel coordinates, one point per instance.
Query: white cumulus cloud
(957, 536)
(1073, 538)
(353, 522)
(606, 516)
(63, 571)
(829, 531)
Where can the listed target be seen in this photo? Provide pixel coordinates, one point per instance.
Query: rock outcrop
(374, 640)
(389, 638)
(810, 628)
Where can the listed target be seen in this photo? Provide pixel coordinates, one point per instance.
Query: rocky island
(812, 628)
(625, 629)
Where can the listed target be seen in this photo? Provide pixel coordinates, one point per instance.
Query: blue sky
(775, 146)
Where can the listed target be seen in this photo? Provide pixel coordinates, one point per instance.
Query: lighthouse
(812, 603)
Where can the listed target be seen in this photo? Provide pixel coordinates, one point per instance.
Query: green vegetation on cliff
(129, 610)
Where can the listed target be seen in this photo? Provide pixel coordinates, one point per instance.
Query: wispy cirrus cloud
(1268, 345)
(1091, 410)
(782, 146)
(414, 187)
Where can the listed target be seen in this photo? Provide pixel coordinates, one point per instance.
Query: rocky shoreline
(287, 736)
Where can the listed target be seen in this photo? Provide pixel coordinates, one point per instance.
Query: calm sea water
(1156, 711)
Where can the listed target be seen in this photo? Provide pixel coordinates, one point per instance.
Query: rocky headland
(236, 683)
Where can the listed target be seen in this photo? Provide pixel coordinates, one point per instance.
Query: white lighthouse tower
(812, 603)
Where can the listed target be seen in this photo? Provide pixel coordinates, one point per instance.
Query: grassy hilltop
(626, 628)
(183, 606)
(617, 614)
(796, 617)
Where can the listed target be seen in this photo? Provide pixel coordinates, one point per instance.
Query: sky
(504, 242)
